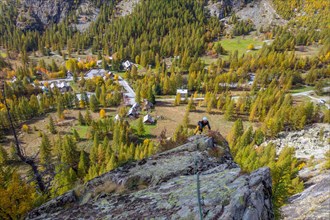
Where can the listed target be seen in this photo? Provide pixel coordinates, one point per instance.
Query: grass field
(169, 118)
(307, 51)
(3, 54)
(121, 73)
(82, 130)
(148, 128)
(302, 89)
(173, 116)
(240, 44)
(208, 59)
(31, 141)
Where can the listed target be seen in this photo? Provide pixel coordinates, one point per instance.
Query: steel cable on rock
(198, 190)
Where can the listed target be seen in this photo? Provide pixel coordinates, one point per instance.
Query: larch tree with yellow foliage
(102, 113)
(16, 197)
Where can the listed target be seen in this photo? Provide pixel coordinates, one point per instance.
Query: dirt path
(308, 94)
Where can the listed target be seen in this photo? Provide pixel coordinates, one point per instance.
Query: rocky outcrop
(222, 8)
(126, 7)
(38, 14)
(314, 201)
(165, 187)
(313, 141)
(260, 12)
(35, 14)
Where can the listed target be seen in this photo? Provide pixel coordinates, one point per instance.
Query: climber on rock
(202, 124)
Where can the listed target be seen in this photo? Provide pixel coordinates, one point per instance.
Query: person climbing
(202, 124)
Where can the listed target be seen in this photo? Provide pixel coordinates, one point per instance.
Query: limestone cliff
(165, 187)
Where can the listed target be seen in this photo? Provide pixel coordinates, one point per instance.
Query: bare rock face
(36, 14)
(313, 202)
(313, 141)
(165, 187)
(221, 8)
(260, 12)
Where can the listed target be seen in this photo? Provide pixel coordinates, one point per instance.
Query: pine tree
(88, 117)
(140, 127)
(93, 105)
(82, 165)
(100, 154)
(92, 172)
(45, 151)
(177, 100)
(64, 179)
(3, 156)
(191, 106)
(319, 87)
(93, 154)
(72, 177)
(186, 119)
(258, 136)
(17, 197)
(229, 111)
(209, 106)
(151, 96)
(112, 164)
(138, 95)
(179, 135)
(51, 125)
(59, 108)
(68, 152)
(76, 135)
(81, 119)
(283, 176)
(235, 132)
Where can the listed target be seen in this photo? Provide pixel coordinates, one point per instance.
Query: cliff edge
(165, 186)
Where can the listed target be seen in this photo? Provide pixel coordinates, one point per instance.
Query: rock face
(260, 12)
(35, 14)
(220, 8)
(126, 7)
(312, 141)
(165, 187)
(314, 201)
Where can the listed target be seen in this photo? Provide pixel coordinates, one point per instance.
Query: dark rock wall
(37, 14)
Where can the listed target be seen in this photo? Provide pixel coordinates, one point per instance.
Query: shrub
(25, 128)
(250, 47)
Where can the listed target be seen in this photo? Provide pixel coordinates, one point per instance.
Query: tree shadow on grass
(164, 104)
(149, 136)
(198, 111)
(216, 113)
